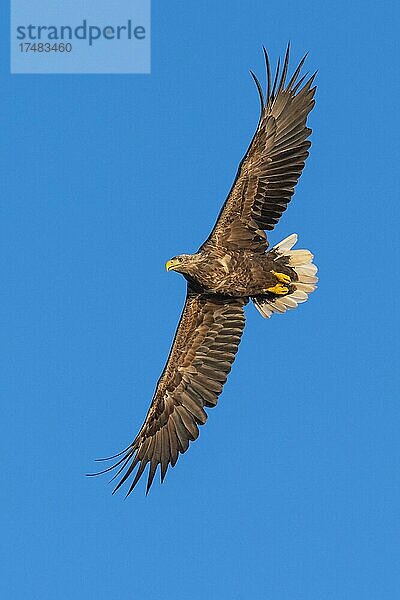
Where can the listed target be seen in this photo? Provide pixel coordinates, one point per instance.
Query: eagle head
(183, 263)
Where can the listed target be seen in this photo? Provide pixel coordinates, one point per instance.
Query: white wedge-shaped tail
(305, 283)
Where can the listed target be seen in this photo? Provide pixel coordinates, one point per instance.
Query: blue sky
(292, 490)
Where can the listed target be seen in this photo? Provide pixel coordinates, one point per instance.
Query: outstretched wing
(267, 175)
(201, 357)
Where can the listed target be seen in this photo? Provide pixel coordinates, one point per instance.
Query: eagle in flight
(232, 267)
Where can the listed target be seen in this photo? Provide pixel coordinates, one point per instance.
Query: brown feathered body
(234, 273)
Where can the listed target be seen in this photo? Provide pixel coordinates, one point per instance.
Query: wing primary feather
(285, 69)
(297, 71)
(173, 437)
(155, 460)
(259, 88)
(268, 70)
(306, 89)
(134, 463)
(298, 84)
(108, 469)
(114, 456)
(138, 475)
(311, 80)
(165, 452)
(126, 475)
(278, 66)
(163, 472)
(152, 472)
(151, 448)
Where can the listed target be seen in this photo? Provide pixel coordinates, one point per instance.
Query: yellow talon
(282, 277)
(278, 289)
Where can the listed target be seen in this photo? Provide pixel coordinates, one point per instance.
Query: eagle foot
(282, 278)
(278, 289)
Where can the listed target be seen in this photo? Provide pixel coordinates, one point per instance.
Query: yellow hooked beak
(170, 265)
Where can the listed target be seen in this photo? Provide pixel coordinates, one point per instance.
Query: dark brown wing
(267, 175)
(201, 357)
